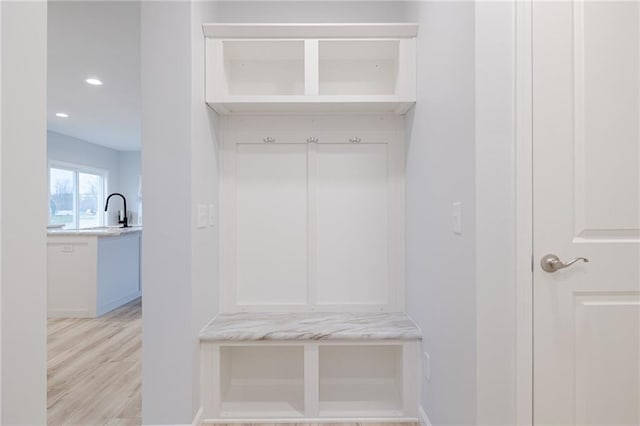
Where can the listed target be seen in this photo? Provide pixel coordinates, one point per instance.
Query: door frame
(523, 118)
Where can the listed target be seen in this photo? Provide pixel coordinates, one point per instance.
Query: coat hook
(268, 139)
(355, 139)
(312, 139)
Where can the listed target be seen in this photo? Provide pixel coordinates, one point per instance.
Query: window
(76, 196)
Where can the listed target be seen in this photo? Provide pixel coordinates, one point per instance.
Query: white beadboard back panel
(352, 234)
(312, 213)
(271, 226)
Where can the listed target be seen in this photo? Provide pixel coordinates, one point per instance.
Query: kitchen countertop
(107, 231)
(252, 326)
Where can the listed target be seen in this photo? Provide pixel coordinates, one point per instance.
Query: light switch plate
(212, 215)
(203, 215)
(457, 218)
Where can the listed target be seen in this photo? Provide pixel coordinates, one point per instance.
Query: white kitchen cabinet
(90, 275)
(312, 67)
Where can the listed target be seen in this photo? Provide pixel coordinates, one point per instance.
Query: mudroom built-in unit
(311, 134)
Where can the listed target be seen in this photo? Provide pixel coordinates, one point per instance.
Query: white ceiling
(95, 39)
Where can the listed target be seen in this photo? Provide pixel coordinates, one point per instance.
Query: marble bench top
(252, 326)
(100, 231)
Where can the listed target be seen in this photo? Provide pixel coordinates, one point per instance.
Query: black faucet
(124, 221)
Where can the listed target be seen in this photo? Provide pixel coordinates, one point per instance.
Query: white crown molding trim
(311, 30)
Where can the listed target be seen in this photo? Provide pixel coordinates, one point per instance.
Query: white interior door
(586, 72)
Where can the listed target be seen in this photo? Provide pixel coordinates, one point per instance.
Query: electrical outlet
(426, 366)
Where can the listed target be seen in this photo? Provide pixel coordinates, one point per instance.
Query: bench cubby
(360, 380)
(310, 366)
(261, 381)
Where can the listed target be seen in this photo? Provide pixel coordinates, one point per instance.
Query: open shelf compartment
(264, 67)
(358, 67)
(262, 381)
(360, 381)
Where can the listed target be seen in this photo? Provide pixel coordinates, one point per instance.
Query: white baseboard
(70, 313)
(197, 419)
(310, 420)
(424, 419)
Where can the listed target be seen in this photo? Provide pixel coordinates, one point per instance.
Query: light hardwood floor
(94, 369)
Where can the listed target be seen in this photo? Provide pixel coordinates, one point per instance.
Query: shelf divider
(311, 380)
(311, 68)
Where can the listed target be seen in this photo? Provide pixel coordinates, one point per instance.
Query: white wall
(205, 185)
(167, 341)
(24, 213)
(189, 287)
(130, 163)
(123, 167)
(441, 282)
(1, 385)
(495, 214)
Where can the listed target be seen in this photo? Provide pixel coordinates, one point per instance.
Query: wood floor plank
(94, 369)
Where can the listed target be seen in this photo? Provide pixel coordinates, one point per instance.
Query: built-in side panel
(271, 224)
(351, 220)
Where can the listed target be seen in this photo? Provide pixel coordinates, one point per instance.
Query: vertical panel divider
(311, 68)
(210, 380)
(312, 221)
(229, 295)
(311, 380)
(411, 377)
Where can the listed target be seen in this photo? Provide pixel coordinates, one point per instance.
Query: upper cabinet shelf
(292, 68)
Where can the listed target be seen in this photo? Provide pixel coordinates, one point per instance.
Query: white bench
(320, 367)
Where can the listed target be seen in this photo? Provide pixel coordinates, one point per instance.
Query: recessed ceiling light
(94, 81)
(62, 114)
